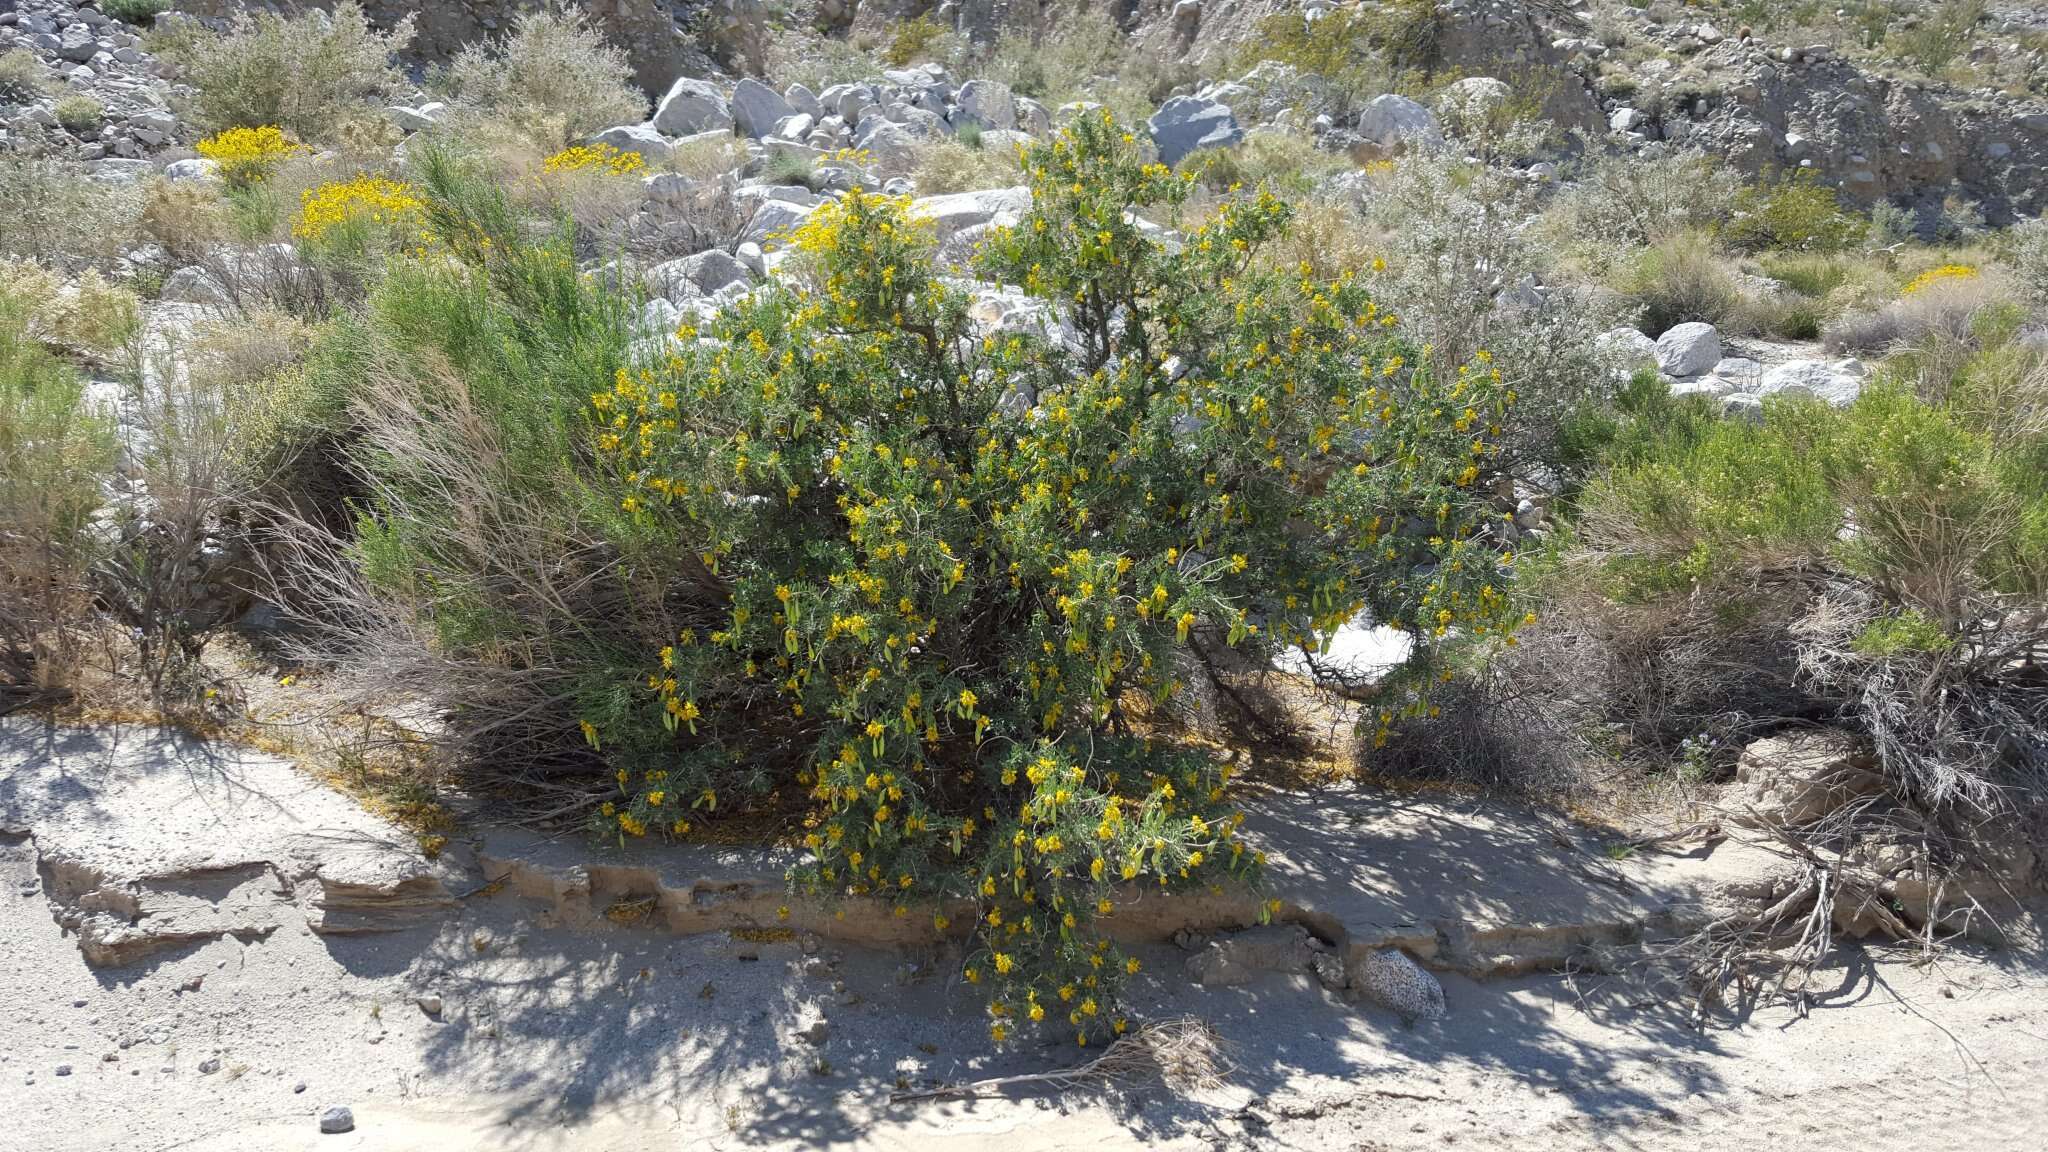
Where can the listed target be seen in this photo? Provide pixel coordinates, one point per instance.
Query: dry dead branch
(1185, 1054)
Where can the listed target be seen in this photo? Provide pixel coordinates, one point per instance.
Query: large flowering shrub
(942, 566)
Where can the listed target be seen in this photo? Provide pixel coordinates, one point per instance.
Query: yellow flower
(1004, 962)
(370, 200)
(1131, 965)
(599, 157)
(247, 156)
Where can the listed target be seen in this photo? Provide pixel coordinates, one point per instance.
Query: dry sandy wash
(265, 951)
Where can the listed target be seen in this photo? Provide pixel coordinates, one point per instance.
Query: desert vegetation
(932, 459)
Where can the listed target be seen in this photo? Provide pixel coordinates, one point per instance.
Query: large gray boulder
(692, 106)
(643, 139)
(950, 214)
(757, 108)
(773, 221)
(1627, 346)
(986, 104)
(1812, 378)
(1185, 124)
(1689, 350)
(896, 148)
(1392, 121)
(702, 274)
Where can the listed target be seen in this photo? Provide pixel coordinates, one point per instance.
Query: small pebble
(299, 1087)
(337, 1119)
(63, 1069)
(78, 1003)
(209, 1066)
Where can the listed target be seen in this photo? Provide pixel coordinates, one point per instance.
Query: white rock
(1187, 123)
(691, 106)
(949, 214)
(757, 108)
(1811, 378)
(1391, 121)
(643, 139)
(1689, 350)
(772, 222)
(986, 103)
(1627, 345)
(197, 168)
(1626, 120)
(801, 99)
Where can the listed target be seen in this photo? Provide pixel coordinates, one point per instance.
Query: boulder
(1391, 121)
(195, 285)
(757, 108)
(1812, 378)
(1187, 123)
(197, 168)
(702, 274)
(1627, 345)
(1800, 777)
(1468, 104)
(986, 104)
(410, 119)
(1689, 350)
(801, 99)
(1394, 981)
(950, 214)
(773, 221)
(642, 139)
(1241, 957)
(692, 106)
(1032, 117)
(895, 147)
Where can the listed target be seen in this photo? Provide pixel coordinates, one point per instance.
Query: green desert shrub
(948, 166)
(1680, 280)
(60, 217)
(141, 13)
(1796, 212)
(1338, 46)
(2028, 251)
(839, 545)
(54, 451)
(22, 77)
(307, 74)
(553, 78)
(1058, 61)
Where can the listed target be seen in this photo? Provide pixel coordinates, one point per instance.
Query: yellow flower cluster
(370, 200)
(247, 156)
(1946, 274)
(594, 158)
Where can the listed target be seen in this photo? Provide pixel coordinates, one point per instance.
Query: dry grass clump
(306, 74)
(949, 166)
(552, 78)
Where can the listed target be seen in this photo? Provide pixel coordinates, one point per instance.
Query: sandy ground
(625, 1038)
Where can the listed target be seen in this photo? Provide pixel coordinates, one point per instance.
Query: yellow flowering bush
(940, 568)
(601, 158)
(1946, 274)
(247, 156)
(358, 207)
